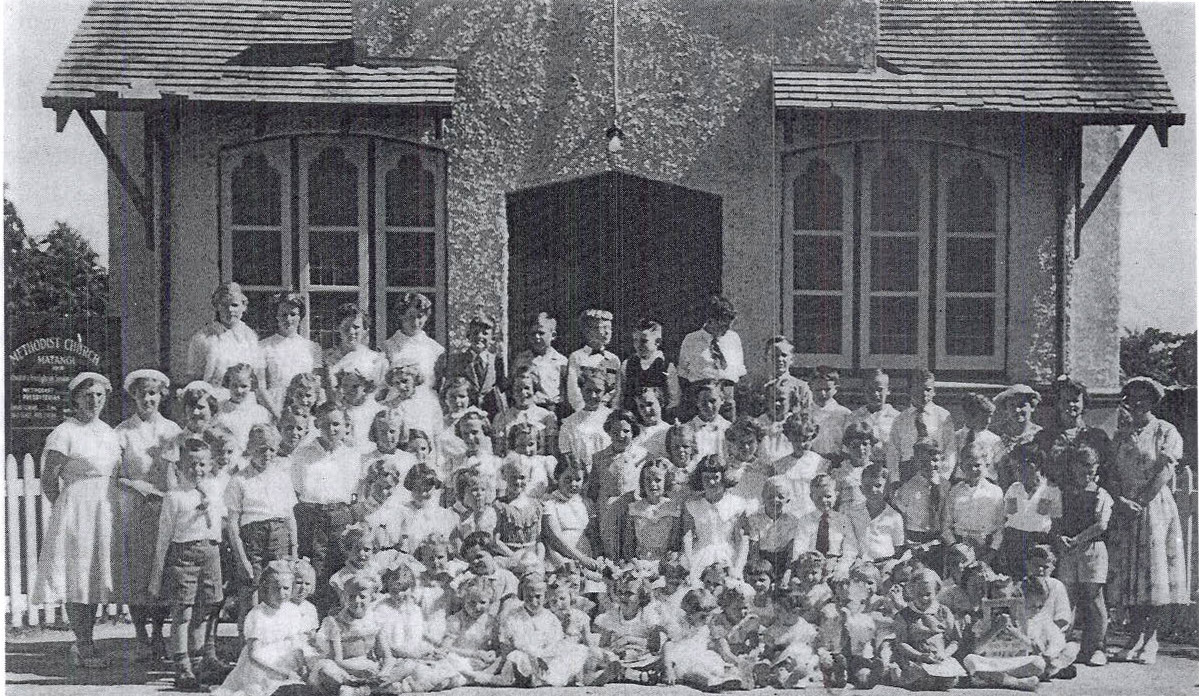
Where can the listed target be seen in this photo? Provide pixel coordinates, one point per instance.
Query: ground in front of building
(36, 666)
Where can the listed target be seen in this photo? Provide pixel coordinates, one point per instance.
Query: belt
(270, 520)
(325, 506)
(196, 542)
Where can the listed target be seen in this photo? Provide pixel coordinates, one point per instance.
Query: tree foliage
(1165, 356)
(52, 278)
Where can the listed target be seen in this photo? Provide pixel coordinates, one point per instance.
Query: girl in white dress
(420, 664)
(410, 344)
(241, 412)
(149, 444)
(225, 342)
(565, 520)
(712, 529)
(286, 353)
(402, 384)
(354, 392)
(582, 433)
(273, 655)
(688, 656)
(75, 562)
(352, 351)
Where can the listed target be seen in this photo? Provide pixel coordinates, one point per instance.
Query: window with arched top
(819, 240)
(297, 213)
(896, 256)
(894, 251)
(971, 289)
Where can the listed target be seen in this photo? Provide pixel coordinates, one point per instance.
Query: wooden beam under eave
(1105, 183)
(117, 165)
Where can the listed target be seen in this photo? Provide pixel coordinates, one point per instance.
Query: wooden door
(636, 247)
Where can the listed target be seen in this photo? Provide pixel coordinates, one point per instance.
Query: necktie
(822, 543)
(934, 506)
(921, 426)
(718, 355)
(480, 369)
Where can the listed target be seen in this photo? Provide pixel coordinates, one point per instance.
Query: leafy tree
(57, 277)
(1165, 356)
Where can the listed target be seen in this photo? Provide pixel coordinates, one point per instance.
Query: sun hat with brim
(84, 376)
(147, 374)
(1148, 383)
(1018, 390)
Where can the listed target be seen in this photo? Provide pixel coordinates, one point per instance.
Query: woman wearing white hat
(76, 560)
(1148, 559)
(148, 450)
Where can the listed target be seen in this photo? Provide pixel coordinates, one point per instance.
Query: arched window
(339, 246)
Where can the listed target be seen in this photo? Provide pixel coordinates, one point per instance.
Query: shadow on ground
(45, 663)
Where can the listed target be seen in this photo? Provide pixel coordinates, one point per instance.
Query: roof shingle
(1085, 59)
(127, 53)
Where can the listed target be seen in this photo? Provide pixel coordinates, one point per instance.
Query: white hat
(1018, 390)
(146, 373)
(84, 376)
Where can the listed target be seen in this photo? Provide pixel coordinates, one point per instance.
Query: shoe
(1148, 655)
(185, 678)
(1020, 684)
(1097, 659)
(211, 670)
(1067, 672)
(1131, 653)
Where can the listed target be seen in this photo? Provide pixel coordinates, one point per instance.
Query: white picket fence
(26, 515)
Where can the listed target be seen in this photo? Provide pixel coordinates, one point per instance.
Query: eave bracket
(135, 192)
(1106, 181)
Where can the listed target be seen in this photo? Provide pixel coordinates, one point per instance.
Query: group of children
(566, 533)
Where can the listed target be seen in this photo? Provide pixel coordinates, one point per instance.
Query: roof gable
(127, 53)
(1086, 59)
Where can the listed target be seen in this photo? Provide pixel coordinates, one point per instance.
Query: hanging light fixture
(614, 133)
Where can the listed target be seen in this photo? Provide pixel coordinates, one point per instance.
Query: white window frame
(840, 159)
(278, 156)
(918, 156)
(432, 161)
(951, 161)
(296, 232)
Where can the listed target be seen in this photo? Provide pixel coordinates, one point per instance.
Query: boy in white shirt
(1031, 504)
(709, 425)
(826, 530)
(922, 419)
(974, 511)
(550, 365)
(877, 413)
(594, 358)
(978, 411)
(712, 352)
(831, 416)
(187, 564)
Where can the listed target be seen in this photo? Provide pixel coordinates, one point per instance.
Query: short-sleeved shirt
(254, 496)
(913, 500)
(709, 435)
(192, 513)
(550, 368)
(882, 535)
(148, 446)
(323, 476)
(267, 624)
(1033, 512)
(975, 511)
(357, 636)
(696, 361)
(91, 449)
(216, 348)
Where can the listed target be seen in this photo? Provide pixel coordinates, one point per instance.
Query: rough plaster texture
(1093, 299)
(535, 95)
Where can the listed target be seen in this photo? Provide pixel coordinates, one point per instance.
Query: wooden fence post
(12, 539)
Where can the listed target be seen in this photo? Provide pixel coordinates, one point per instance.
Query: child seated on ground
(632, 629)
(273, 654)
(1050, 615)
(532, 637)
(471, 632)
(926, 637)
(688, 656)
(351, 644)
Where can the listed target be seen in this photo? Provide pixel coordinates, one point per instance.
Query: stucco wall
(535, 95)
(1032, 147)
(1093, 299)
(133, 268)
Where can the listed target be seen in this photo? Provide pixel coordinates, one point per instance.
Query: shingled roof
(127, 53)
(1088, 60)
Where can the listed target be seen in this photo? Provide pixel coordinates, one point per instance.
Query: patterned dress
(1149, 565)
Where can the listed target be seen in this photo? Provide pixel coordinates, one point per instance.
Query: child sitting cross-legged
(737, 632)
(689, 656)
(926, 637)
(980, 628)
(352, 644)
(576, 630)
(471, 632)
(532, 637)
(418, 664)
(789, 658)
(1050, 615)
(632, 628)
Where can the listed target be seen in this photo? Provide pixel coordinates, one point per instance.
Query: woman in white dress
(411, 345)
(149, 447)
(76, 560)
(286, 353)
(226, 342)
(352, 354)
